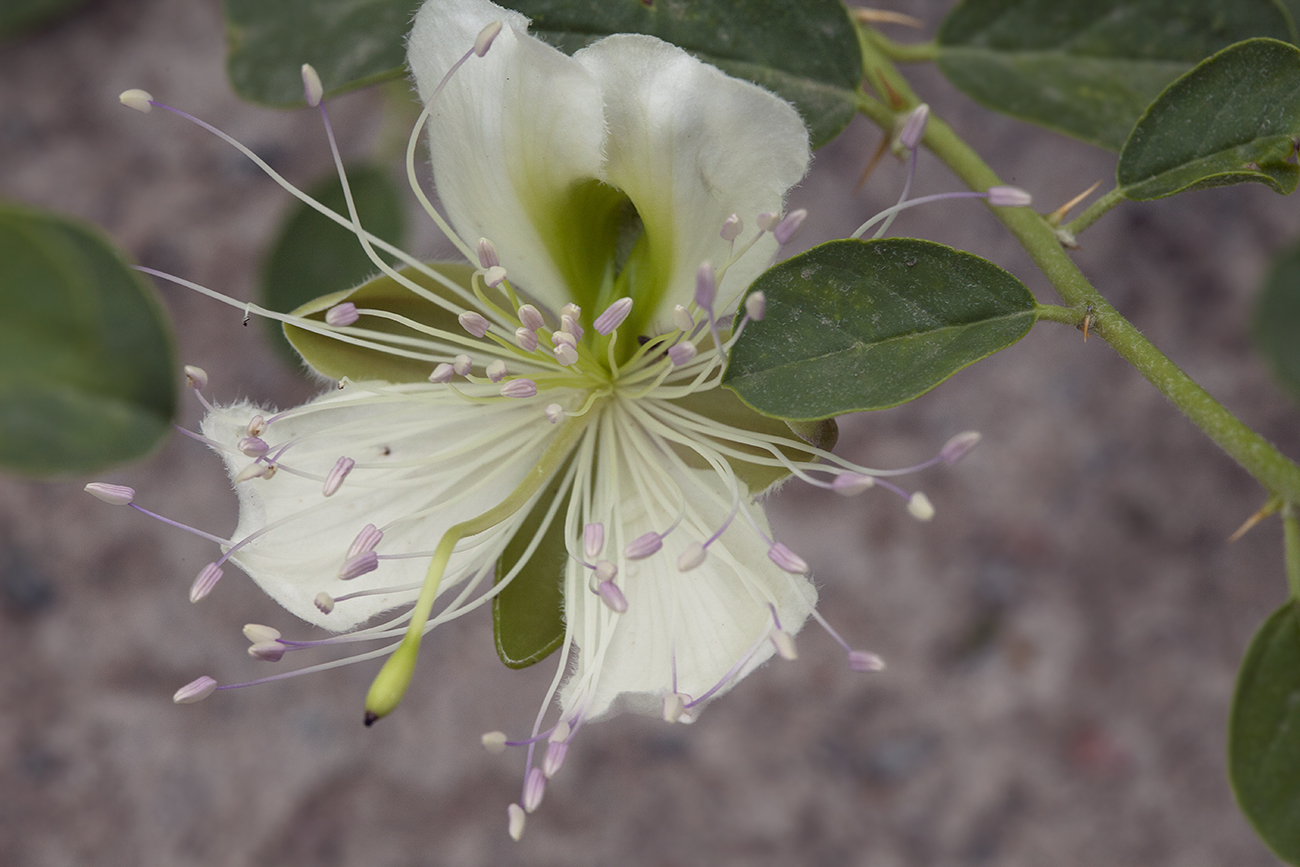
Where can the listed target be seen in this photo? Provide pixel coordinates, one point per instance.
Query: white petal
(425, 457)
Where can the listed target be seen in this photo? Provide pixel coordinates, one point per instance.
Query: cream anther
(554, 412)
(267, 651)
(355, 567)
(554, 758)
(496, 370)
(196, 377)
(674, 706)
(324, 603)
(494, 276)
(114, 495)
(473, 322)
(851, 484)
(483, 41)
(525, 339)
(196, 690)
(787, 559)
(914, 127)
(206, 580)
(643, 546)
(462, 365)
(259, 634)
(861, 660)
(517, 819)
(732, 227)
(681, 353)
(790, 226)
(959, 446)
(692, 557)
(558, 337)
(920, 507)
(612, 596)
(706, 286)
(534, 788)
(254, 447)
(756, 306)
(256, 426)
(768, 220)
(341, 315)
(682, 320)
(1009, 197)
(487, 254)
(442, 373)
(605, 570)
(613, 316)
(255, 470)
(593, 540)
(337, 474)
(367, 540)
(140, 100)
(783, 643)
(312, 90)
(519, 388)
(561, 732)
(569, 325)
(494, 742)
(565, 354)
(571, 309)
(530, 317)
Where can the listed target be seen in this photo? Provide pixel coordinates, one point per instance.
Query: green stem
(1057, 313)
(904, 52)
(1269, 466)
(1291, 542)
(1095, 212)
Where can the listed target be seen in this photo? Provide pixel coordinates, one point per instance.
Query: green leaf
(1234, 118)
(20, 16)
(806, 52)
(351, 43)
(528, 616)
(337, 359)
(87, 366)
(1089, 69)
(1277, 319)
(856, 325)
(314, 256)
(1264, 733)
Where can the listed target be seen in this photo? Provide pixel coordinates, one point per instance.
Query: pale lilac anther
(367, 540)
(682, 320)
(605, 570)
(920, 507)
(496, 370)
(114, 495)
(519, 388)
(254, 447)
(256, 633)
(565, 354)
(851, 484)
(784, 644)
(473, 322)
(196, 377)
(337, 474)
(861, 660)
(442, 373)
(674, 706)
(462, 365)
(756, 306)
(530, 317)
(312, 90)
(681, 353)
(554, 412)
(790, 226)
(959, 446)
(494, 276)
(494, 742)
(613, 316)
(558, 337)
(914, 127)
(612, 596)
(554, 758)
(487, 254)
(267, 651)
(342, 314)
(196, 690)
(324, 603)
(525, 339)
(787, 559)
(644, 545)
(732, 227)
(768, 220)
(516, 821)
(483, 41)
(206, 580)
(569, 325)
(706, 286)
(1009, 197)
(593, 540)
(256, 426)
(534, 788)
(355, 567)
(692, 557)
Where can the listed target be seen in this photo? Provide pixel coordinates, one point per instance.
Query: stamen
(462, 365)
(205, 582)
(534, 788)
(196, 377)
(140, 100)
(571, 310)
(196, 690)
(569, 324)
(674, 706)
(787, 559)
(475, 323)
(442, 374)
(593, 540)
(496, 370)
(789, 227)
(256, 426)
(114, 495)
(531, 317)
(958, 447)
(692, 557)
(256, 633)
(254, 447)
(920, 507)
(565, 354)
(495, 276)
(1009, 197)
(525, 339)
(914, 127)
(341, 315)
(732, 227)
(254, 470)
(485, 37)
(494, 742)
(558, 337)
(768, 220)
(783, 643)
(355, 567)
(367, 540)
(553, 760)
(519, 388)
(682, 319)
(554, 413)
(706, 286)
(613, 316)
(324, 603)
(517, 819)
(267, 651)
(612, 596)
(852, 484)
(487, 254)
(605, 570)
(861, 660)
(337, 474)
(311, 86)
(681, 353)
(643, 546)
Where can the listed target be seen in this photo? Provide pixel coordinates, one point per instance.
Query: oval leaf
(314, 256)
(87, 364)
(1232, 119)
(1264, 733)
(1277, 319)
(856, 325)
(1090, 69)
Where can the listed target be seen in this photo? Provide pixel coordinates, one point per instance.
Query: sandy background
(1061, 639)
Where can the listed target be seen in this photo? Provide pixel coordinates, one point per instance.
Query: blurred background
(1061, 639)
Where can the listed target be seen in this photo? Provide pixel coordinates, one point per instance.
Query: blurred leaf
(20, 16)
(1234, 118)
(337, 359)
(314, 256)
(1089, 68)
(87, 364)
(1277, 319)
(1264, 733)
(856, 325)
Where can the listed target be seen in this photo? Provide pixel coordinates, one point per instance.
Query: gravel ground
(1061, 639)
